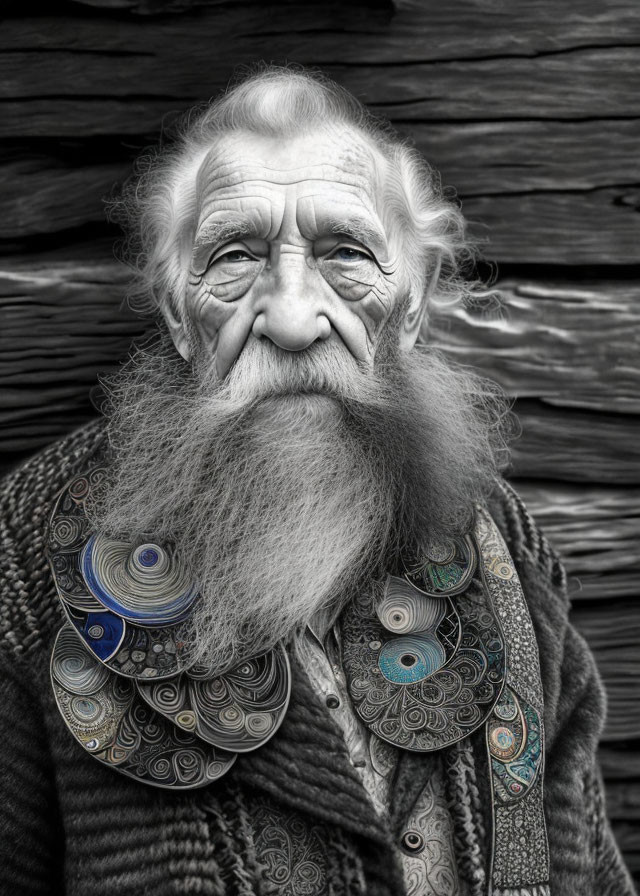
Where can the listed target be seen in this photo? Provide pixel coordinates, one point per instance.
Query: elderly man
(279, 626)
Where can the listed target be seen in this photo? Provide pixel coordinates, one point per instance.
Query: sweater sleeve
(585, 856)
(611, 875)
(31, 842)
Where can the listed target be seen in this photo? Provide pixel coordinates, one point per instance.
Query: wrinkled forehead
(334, 171)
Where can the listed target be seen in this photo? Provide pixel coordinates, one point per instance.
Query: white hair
(158, 207)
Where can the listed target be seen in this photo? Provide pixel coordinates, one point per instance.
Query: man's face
(291, 246)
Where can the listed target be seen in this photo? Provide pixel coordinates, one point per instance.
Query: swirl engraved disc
(143, 584)
(515, 748)
(446, 569)
(91, 704)
(130, 650)
(168, 757)
(237, 711)
(411, 658)
(403, 609)
(399, 685)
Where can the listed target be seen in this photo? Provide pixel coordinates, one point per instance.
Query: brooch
(448, 647)
(123, 673)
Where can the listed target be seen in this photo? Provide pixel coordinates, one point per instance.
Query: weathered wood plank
(599, 227)
(582, 84)
(576, 446)
(613, 633)
(165, 59)
(47, 191)
(151, 7)
(595, 531)
(80, 117)
(417, 31)
(44, 194)
(620, 761)
(497, 157)
(623, 801)
(571, 344)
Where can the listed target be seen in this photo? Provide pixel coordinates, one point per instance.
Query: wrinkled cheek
(367, 297)
(374, 311)
(209, 314)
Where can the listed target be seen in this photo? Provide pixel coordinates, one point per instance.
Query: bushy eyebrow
(217, 232)
(360, 230)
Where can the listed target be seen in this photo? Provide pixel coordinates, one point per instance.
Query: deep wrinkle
(272, 222)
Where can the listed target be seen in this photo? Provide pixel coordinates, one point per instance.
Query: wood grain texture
(614, 636)
(404, 66)
(564, 205)
(573, 345)
(576, 447)
(146, 85)
(595, 530)
(418, 31)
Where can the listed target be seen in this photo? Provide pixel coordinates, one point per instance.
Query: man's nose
(290, 312)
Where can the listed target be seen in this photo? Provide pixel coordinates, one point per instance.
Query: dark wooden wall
(530, 108)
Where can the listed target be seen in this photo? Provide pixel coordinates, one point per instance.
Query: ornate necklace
(429, 657)
(123, 672)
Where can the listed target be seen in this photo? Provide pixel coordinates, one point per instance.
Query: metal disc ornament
(92, 701)
(128, 607)
(423, 689)
(239, 710)
(446, 568)
(404, 609)
(144, 584)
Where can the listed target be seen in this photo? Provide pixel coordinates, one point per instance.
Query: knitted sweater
(69, 825)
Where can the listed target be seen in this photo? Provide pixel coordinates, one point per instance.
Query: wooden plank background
(530, 110)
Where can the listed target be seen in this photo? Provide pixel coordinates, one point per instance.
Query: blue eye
(350, 253)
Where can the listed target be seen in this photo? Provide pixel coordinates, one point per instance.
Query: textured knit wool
(69, 825)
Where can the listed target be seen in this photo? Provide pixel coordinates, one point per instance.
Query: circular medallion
(426, 689)
(446, 569)
(144, 584)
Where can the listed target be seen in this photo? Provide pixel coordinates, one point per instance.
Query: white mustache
(263, 370)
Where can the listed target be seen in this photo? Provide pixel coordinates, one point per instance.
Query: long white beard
(293, 482)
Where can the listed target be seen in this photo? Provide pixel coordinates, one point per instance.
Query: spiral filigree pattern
(445, 569)
(73, 667)
(119, 666)
(403, 609)
(424, 690)
(411, 658)
(144, 583)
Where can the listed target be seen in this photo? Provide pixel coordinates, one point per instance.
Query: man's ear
(177, 331)
(410, 329)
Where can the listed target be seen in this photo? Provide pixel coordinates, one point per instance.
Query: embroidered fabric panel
(509, 604)
(431, 870)
(515, 736)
